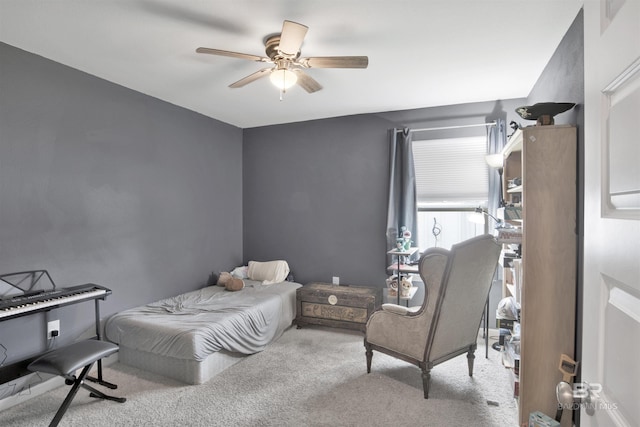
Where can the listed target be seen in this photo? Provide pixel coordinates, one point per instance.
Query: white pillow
(268, 272)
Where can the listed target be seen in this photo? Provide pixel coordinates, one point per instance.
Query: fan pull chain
(284, 85)
(282, 92)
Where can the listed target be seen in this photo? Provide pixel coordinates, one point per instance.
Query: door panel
(619, 395)
(621, 107)
(611, 303)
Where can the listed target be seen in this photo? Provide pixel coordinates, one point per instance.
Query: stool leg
(99, 379)
(72, 393)
(100, 395)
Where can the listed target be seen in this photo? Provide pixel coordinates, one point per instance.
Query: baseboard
(34, 391)
(44, 387)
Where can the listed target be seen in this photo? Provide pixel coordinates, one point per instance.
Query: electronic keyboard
(22, 305)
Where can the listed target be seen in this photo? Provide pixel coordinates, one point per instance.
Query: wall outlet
(336, 280)
(53, 329)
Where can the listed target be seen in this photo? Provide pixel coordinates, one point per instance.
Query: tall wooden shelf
(544, 157)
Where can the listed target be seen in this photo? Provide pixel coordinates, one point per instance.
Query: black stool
(66, 360)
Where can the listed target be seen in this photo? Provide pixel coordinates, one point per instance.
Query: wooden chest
(339, 306)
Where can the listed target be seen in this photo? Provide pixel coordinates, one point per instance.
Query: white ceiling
(422, 53)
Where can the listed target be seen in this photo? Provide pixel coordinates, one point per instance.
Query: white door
(611, 305)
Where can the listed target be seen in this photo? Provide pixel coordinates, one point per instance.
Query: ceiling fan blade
(335, 62)
(232, 54)
(291, 37)
(251, 78)
(306, 82)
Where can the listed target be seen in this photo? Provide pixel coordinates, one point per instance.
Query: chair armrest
(405, 330)
(399, 329)
(399, 309)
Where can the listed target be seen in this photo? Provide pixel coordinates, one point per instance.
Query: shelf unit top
(404, 268)
(516, 189)
(517, 138)
(408, 252)
(514, 143)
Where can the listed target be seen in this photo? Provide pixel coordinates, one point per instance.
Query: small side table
(407, 298)
(399, 267)
(412, 293)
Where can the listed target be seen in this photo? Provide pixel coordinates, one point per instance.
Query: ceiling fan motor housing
(272, 49)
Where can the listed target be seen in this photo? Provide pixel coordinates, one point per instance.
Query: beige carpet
(309, 377)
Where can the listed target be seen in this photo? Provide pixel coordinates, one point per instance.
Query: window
(445, 226)
(451, 181)
(451, 172)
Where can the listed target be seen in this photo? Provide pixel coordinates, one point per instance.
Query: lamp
(478, 217)
(496, 161)
(283, 78)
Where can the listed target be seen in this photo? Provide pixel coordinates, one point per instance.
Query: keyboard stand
(99, 379)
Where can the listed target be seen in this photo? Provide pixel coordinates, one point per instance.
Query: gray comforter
(198, 323)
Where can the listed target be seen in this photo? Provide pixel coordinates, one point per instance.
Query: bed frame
(192, 371)
(187, 371)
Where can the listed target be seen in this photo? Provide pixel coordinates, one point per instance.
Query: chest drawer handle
(333, 300)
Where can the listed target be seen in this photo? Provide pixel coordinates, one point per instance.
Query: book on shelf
(510, 235)
(517, 279)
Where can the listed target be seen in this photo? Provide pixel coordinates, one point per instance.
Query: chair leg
(426, 379)
(369, 353)
(470, 358)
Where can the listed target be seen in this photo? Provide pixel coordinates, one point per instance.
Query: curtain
(402, 210)
(496, 140)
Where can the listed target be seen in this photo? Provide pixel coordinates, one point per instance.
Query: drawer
(334, 312)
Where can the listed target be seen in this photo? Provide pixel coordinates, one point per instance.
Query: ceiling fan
(283, 51)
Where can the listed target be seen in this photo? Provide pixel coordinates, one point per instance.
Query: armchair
(457, 283)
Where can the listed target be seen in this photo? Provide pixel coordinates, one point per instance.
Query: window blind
(451, 172)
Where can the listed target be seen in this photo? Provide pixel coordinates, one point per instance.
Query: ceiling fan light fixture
(283, 78)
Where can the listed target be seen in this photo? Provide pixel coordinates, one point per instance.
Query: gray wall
(315, 193)
(102, 184)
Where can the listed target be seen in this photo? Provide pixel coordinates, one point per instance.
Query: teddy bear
(406, 288)
(229, 282)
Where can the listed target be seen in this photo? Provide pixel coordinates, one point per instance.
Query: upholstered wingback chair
(446, 325)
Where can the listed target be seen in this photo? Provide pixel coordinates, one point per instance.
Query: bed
(194, 336)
